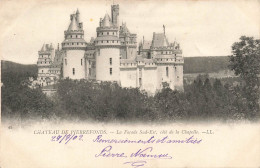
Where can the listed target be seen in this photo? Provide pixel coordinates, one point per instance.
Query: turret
(74, 46)
(107, 52)
(115, 14)
(45, 59)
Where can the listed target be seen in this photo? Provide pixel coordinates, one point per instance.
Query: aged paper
(41, 143)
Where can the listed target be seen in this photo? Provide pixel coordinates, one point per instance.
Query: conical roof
(106, 21)
(73, 24)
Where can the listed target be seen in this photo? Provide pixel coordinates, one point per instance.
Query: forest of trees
(203, 100)
(88, 100)
(205, 64)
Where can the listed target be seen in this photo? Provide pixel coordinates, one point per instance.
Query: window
(76, 36)
(42, 71)
(140, 82)
(73, 71)
(65, 61)
(167, 71)
(107, 41)
(81, 61)
(110, 71)
(110, 61)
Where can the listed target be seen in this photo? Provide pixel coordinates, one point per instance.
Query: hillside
(205, 64)
(8, 66)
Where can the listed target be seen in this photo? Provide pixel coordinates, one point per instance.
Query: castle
(112, 56)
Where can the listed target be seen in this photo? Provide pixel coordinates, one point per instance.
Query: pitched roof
(124, 29)
(159, 40)
(146, 45)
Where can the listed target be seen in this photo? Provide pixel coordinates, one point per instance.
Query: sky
(202, 27)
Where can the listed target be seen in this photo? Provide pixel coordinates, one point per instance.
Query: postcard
(129, 84)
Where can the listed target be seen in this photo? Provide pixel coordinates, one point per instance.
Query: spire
(43, 47)
(73, 24)
(164, 29)
(78, 15)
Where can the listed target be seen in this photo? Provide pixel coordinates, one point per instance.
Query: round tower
(74, 46)
(107, 55)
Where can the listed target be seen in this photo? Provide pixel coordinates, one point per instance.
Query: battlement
(111, 28)
(73, 32)
(44, 52)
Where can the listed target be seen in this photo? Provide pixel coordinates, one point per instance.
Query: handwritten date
(67, 138)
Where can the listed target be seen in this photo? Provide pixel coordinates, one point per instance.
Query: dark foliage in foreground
(109, 102)
(88, 100)
(19, 100)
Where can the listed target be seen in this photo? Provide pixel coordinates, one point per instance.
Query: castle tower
(115, 14)
(107, 52)
(128, 43)
(169, 61)
(46, 55)
(74, 46)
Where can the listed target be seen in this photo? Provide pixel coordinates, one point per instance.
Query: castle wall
(103, 65)
(73, 64)
(149, 79)
(128, 77)
(163, 76)
(179, 77)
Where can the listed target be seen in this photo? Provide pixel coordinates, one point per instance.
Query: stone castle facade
(112, 56)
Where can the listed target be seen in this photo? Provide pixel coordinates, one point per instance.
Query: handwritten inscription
(141, 153)
(66, 138)
(150, 140)
(136, 164)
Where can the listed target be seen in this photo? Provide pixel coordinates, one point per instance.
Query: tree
(245, 61)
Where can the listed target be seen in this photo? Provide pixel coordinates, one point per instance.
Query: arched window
(73, 71)
(167, 71)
